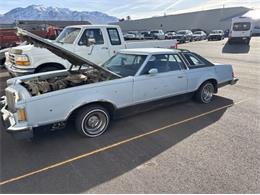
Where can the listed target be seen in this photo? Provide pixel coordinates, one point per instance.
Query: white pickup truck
(94, 94)
(96, 43)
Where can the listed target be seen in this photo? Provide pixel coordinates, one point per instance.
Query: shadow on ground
(20, 157)
(235, 48)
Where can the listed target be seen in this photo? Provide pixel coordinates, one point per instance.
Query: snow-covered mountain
(39, 12)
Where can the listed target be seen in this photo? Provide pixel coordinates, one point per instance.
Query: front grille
(10, 98)
(12, 58)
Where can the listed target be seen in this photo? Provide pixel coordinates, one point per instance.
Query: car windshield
(68, 35)
(125, 64)
(181, 32)
(154, 31)
(197, 33)
(215, 32)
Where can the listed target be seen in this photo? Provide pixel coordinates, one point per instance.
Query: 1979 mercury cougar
(93, 93)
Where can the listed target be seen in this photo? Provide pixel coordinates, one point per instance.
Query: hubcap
(207, 92)
(95, 122)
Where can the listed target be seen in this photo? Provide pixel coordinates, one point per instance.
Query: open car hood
(73, 58)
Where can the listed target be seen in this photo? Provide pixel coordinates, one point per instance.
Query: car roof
(92, 25)
(149, 51)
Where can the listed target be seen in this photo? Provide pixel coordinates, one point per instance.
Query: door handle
(104, 48)
(180, 77)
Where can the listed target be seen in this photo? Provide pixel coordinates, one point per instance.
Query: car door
(92, 46)
(169, 80)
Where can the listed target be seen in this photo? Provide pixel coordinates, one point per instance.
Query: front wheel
(205, 93)
(92, 121)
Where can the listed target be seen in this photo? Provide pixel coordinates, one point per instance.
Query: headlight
(22, 60)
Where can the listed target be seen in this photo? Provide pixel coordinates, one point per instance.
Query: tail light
(233, 74)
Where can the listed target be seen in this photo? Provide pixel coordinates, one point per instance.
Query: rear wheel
(205, 93)
(92, 121)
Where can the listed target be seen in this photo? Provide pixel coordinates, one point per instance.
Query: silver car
(91, 95)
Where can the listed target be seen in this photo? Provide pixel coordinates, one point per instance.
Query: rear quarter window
(196, 61)
(114, 36)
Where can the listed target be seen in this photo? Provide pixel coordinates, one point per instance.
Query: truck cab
(97, 43)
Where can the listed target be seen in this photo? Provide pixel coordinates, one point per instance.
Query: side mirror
(153, 71)
(91, 41)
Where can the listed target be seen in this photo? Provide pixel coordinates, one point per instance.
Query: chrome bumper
(19, 130)
(234, 81)
(15, 72)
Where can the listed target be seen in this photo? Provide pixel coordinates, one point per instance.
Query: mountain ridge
(40, 12)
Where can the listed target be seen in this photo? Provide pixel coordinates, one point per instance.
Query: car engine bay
(40, 86)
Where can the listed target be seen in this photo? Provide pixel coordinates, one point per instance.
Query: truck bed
(152, 43)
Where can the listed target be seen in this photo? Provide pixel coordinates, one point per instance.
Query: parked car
(170, 35)
(129, 36)
(131, 77)
(256, 30)
(133, 35)
(96, 43)
(183, 36)
(199, 35)
(216, 35)
(158, 34)
(147, 35)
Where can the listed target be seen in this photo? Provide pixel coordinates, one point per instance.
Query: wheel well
(214, 82)
(57, 65)
(2, 61)
(109, 106)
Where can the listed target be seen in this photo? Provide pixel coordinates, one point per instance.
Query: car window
(114, 36)
(68, 35)
(95, 34)
(163, 63)
(241, 26)
(193, 60)
(125, 64)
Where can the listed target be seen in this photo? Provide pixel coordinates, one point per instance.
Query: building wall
(206, 20)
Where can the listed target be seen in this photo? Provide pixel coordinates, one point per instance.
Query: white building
(207, 20)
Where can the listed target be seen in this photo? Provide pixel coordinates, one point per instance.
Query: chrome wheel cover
(95, 122)
(207, 93)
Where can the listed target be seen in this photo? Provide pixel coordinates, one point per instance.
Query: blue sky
(134, 8)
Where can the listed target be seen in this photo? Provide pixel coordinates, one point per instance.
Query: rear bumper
(8, 120)
(232, 82)
(239, 39)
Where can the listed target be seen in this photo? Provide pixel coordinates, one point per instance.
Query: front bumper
(15, 72)
(9, 121)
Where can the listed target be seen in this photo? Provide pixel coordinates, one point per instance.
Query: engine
(38, 87)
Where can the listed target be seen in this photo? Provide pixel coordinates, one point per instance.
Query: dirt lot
(183, 148)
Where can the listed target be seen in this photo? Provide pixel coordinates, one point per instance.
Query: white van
(241, 30)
